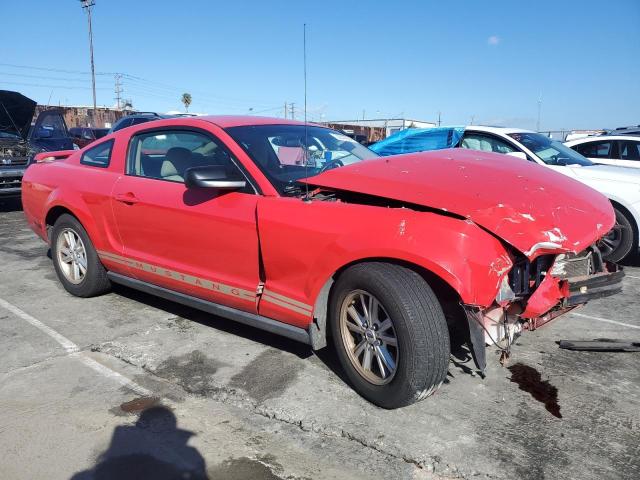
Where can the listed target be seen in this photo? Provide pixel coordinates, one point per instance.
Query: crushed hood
(531, 207)
(16, 112)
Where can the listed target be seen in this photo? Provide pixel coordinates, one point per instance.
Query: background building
(370, 131)
(80, 116)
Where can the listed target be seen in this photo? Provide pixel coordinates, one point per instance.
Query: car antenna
(306, 144)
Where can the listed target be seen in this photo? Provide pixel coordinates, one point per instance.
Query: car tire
(618, 243)
(418, 328)
(75, 259)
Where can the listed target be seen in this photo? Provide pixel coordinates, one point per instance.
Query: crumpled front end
(535, 292)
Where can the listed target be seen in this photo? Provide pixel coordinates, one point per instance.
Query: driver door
(202, 242)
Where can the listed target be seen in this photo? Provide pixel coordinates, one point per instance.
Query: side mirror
(520, 155)
(213, 176)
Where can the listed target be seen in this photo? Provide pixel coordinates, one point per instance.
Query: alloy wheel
(612, 240)
(72, 256)
(369, 337)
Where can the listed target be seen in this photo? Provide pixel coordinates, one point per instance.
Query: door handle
(128, 198)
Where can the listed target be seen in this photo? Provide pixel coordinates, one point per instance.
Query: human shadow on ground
(153, 448)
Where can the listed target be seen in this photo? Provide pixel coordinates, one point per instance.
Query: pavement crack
(28, 366)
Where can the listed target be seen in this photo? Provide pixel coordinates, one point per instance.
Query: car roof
(227, 121)
(600, 138)
(490, 129)
(222, 121)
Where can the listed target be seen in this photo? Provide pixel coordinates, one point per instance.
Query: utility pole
(439, 118)
(292, 105)
(472, 118)
(539, 109)
(285, 110)
(363, 114)
(118, 89)
(87, 4)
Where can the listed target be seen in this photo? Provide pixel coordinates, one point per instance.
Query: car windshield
(279, 151)
(550, 151)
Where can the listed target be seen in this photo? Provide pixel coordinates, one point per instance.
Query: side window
(595, 149)
(629, 150)
(166, 154)
(486, 143)
(98, 156)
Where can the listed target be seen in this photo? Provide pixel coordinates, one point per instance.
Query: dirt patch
(180, 324)
(530, 381)
(268, 375)
(193, 371)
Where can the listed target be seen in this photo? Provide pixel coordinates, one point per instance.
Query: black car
(632, 130)
(135, 119)
(83, 136)
(20, 141)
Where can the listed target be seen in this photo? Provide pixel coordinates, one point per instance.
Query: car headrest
(176, 161)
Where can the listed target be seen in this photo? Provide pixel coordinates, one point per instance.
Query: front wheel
(390, 333)
(618, 243)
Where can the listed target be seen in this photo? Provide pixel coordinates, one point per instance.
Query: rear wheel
(618, 243)
(390, 333)
(75, 259)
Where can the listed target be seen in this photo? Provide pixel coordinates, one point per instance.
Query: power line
(43, 77)
(58, 70)
(66, 87)
(140, 87)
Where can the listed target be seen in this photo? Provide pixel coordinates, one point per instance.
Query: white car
(621, 150)
(621, 185)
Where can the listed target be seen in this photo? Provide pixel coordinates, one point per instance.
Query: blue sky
(487, 60)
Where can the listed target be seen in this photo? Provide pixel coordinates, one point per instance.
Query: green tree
(186, 99)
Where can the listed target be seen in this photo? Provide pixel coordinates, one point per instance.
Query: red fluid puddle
(529, 380)
(139, 404)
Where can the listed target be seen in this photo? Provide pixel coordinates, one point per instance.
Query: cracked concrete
(261, 406)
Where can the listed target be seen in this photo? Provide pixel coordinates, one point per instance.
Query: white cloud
(493, 40)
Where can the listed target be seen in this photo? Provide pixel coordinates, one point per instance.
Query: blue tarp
(413, 140)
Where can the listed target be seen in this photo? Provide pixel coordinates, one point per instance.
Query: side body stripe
(267, 295)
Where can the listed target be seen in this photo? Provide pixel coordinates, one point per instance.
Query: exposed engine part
(496, 327)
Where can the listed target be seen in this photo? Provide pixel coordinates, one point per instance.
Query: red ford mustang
(299, 230)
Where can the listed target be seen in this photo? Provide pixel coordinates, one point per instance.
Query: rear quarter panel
(83, 190)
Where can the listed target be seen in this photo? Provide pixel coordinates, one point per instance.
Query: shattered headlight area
(535, 292)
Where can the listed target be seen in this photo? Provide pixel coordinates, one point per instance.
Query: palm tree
(186, 99)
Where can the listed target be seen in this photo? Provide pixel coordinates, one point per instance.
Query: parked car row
(20, 141)
(299, 230)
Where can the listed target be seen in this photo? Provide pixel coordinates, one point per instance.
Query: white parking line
(606, 320)
(75, 351)
(631, 276)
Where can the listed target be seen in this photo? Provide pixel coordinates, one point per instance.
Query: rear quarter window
(98, 156)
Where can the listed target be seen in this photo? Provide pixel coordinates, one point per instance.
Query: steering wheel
(331, 164)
